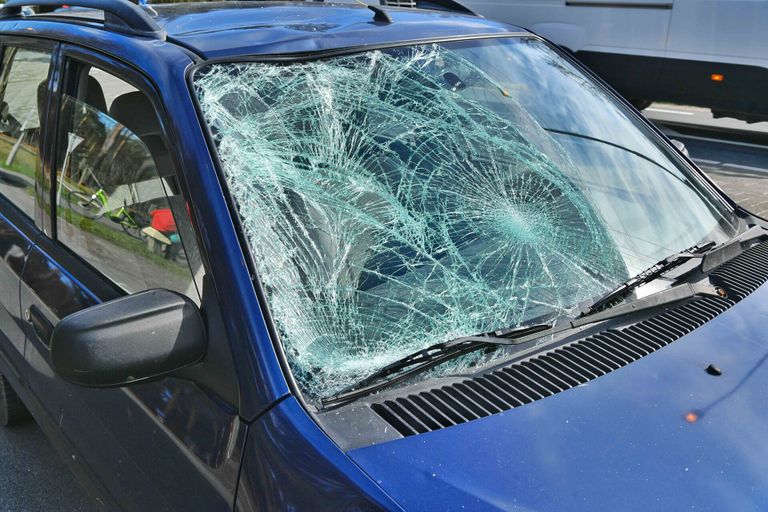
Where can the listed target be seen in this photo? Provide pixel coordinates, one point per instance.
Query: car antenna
(379, 14)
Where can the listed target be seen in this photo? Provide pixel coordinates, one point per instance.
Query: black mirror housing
(129, 340)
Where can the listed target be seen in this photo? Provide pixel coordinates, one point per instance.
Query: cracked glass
(397, 198)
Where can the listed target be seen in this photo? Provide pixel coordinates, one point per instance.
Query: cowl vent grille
(743, 274)
(570, 365)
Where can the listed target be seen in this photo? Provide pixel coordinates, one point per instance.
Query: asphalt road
(733, 153)
(33, 478)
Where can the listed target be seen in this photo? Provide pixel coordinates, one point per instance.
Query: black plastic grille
(744, 274)
(570, 365)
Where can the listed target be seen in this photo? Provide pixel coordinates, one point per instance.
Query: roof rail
(119, 15)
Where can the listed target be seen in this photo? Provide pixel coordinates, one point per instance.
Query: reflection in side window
(118, 203)
(22, 89)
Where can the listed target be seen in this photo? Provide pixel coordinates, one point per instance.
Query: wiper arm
(711, 254)
(441, 352)
(663, 266)
(730, 249)
(428, 358)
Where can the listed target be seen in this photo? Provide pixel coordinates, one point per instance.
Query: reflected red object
(162, 220)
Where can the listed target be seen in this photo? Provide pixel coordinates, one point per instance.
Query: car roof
(232, 29)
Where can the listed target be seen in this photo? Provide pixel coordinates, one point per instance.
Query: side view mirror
(129, 340)
(680, 147)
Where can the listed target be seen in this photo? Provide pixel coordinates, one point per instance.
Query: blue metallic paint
(15, 247)
(291, 465)
(165, 66)
(243, 28)
(620, 442)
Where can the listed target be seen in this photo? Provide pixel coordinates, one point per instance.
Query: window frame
(71, 57)
(32, 225)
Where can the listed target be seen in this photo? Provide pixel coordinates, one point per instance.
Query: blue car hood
(624, 441)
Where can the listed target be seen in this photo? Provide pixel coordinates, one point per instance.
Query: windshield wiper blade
(711, 254)
(430, 357)
(434, 355)
(441, 352)
(663, 266)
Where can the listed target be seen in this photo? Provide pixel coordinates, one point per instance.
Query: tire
(12, 410)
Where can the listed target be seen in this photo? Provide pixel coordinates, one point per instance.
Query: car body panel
(236, 29)
(171, 444)
(15, 247)
(226, 29)
(624, 441)
(147, 443)
(291, 465)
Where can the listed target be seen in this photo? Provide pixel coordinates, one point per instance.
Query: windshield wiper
(438, 353)
(441, 352)
(430, 357)
(663, 266)
(711, 254)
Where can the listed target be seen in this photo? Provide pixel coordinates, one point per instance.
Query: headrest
(134, 111)
(94, 95)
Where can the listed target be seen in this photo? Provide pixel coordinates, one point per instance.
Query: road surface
(733, 153)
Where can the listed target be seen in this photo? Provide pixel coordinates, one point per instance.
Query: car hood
(624, 441)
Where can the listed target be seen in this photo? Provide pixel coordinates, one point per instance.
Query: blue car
(311, 256)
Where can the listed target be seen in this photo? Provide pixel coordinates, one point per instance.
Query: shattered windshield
(396, 198)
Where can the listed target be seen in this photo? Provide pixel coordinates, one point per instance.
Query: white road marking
(668, 111)
(720, 141)
(746, 167)
(706, 162)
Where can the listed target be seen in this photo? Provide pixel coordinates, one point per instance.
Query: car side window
(23, 90)
(119, 206)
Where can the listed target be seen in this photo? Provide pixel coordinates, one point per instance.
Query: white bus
(708, 53)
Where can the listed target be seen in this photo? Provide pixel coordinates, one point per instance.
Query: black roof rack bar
(119, 15)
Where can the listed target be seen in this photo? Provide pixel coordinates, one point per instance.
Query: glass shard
(398, 198)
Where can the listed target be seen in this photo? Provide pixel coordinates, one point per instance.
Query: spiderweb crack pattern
(389, 207)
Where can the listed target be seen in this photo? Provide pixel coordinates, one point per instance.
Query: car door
(24, 79)
(120, 225)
